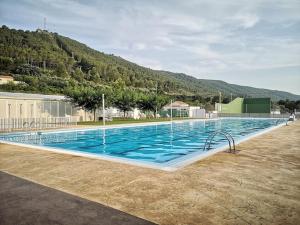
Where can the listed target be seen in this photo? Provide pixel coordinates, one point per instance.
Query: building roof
(6, 76)
(177, 104)
(31, 96)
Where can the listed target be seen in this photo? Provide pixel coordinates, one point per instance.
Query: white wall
(35, 108)
(196, 112)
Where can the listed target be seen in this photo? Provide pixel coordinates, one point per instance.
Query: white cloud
(247, 20)
(197, 37)
(204, 52)
(139, 46)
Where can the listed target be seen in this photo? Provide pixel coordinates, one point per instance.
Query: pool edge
(170, 167)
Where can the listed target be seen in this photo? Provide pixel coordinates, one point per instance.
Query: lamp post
(171, 110)
(156, 102)
(103, 109)
(220, 101)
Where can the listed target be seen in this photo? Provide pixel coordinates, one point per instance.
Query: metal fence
(254, 115)
(40, 138)
(26, 124)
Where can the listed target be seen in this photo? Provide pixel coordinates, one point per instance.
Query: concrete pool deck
(25, 202)
(259, 185)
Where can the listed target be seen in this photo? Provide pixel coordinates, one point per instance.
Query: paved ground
(24, 202)
(259, 185)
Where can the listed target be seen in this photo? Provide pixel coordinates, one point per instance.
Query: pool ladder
(226, 134)
(28, 125)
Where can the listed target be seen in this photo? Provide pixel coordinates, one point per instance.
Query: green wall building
(246, 105)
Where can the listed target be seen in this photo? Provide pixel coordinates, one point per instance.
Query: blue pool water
(154, 144)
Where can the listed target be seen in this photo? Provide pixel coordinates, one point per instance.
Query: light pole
(156, 102)
(171, 110)
(103, 110)
(220, 101)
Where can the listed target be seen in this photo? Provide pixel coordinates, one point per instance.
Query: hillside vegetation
(50, 63)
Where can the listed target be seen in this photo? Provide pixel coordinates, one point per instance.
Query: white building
(5, 79)
(23, 105)
(182, 109)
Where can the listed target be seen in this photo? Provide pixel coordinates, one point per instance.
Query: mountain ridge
(58, 61)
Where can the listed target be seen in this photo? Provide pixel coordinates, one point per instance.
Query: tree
(94, 75)
(209, 107)
(6, 63)
(28, 70)
(125, 101)
(60, 70)
(215, 99)
(289, 106)
(151, 102)
(161, 101)
(78, 75)
(85, 65)
(86, 97)
(119, 84)
(146, 103)
(225, 100)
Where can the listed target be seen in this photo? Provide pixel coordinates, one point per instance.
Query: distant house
(4, 79)
(182, 109)
(177, 105)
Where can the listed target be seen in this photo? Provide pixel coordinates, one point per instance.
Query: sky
(254, 43)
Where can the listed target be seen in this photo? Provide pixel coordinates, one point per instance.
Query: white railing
(253, 115)
(40, 138)
(25, 124)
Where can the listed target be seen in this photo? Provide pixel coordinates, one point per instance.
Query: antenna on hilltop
(45, 23)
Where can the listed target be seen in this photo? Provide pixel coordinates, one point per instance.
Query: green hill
(49, 63)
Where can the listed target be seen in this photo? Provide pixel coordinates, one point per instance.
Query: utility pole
(171, 111)
(156, 102)
(231, 97)
(45, 23)
(220, 101)
(103, 110)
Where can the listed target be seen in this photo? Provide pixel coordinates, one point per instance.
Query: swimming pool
(165, 145)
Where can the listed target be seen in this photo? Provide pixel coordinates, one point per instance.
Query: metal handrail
(227, 135)
(279, 121)
(289, 120)
(233, 142)
(31, 124)
(282, 120)
(27, 127)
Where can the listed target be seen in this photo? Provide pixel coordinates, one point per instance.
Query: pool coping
(169, 166)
